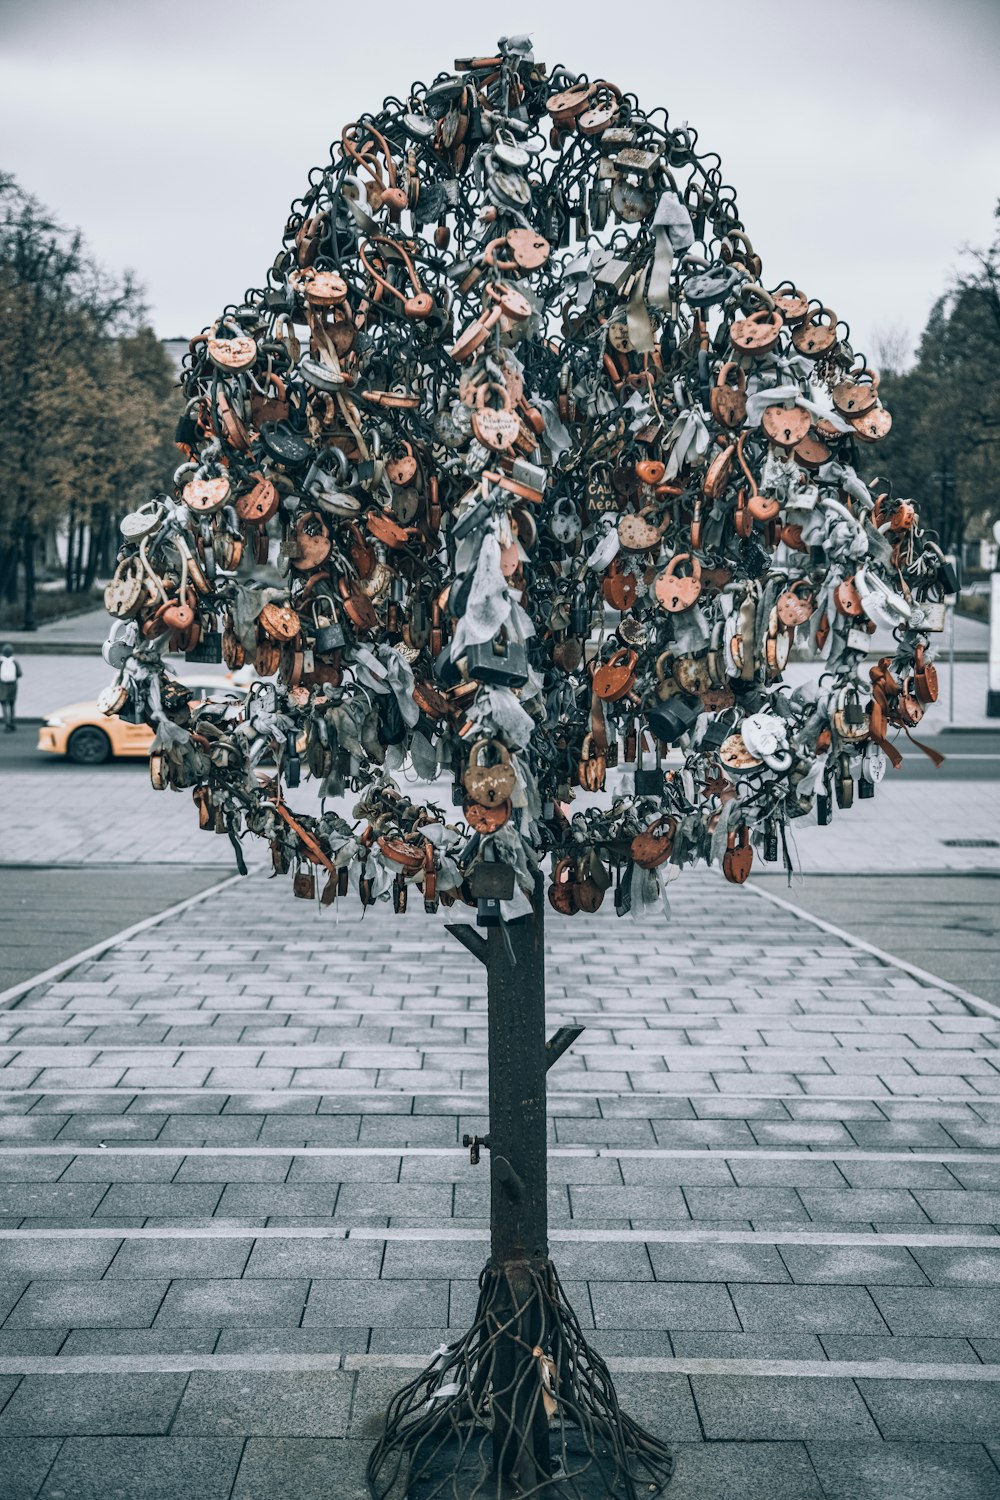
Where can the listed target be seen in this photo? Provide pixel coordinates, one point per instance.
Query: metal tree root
(520, 1406)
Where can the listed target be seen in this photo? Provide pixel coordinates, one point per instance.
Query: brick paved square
(239, 1059)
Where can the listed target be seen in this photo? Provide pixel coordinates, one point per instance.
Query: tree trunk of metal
(518, 1183)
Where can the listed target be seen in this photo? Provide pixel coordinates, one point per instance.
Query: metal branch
(469, 938)
(561, 1042)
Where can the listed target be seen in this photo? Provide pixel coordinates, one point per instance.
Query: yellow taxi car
(84, 735)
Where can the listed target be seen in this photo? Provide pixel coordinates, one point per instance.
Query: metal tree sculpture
(516, 469)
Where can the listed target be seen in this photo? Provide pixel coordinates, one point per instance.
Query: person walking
(10, 671)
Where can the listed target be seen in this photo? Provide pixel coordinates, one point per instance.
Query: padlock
(677, 591)
(489, 783)
(502, 661)
(328, 633)
(737, 860)
(648, 779)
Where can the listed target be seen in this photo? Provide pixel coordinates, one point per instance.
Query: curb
(32, 647)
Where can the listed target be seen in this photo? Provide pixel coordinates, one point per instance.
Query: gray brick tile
(310, 1404)
(855, 1265)
(918, 1471)
(234, 1169)
(814, 1309)
(409, 1130)
(662, 1404)
(146, 1199)
(233, 1304)
(703, 1133)
(772, 1407)
(571, 1131)
(120, 1166)
(211, 1130)
(365, 1168)
(914, 1173)
(356, 1259)
(745, 1203)
(50, 1260)
(976, 1174)
(769, 1345)
(904, 1350)
(948, 1267)
(959, 1207)
(393, 1198)
(596, 1262)
(47, 1199)
(34, 1341)
(649, 1202)
(24, 1463)
(165, 1259)
(939, 1311)
(377, 1304)
(277, 1198)
(89, 1130)
(949, 1411)
(310, 1130)
(659, 1305)
(319, 1340)
(36, 1130)
(140, 1341)
(798, 1172)
(63, 1405)
(88, 1304)
(32, 1168)
(717, 1263)
(302, 1469)
(147, 1468)
(740, 1471)
(886, 1204)
(708, 1170)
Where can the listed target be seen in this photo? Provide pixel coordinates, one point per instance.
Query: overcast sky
(863, 136)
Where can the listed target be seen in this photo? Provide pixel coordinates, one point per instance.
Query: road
(972, 755)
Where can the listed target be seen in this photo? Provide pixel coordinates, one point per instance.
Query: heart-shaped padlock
(797, 603)
(678, 591)
(495, 426)
(564, 522)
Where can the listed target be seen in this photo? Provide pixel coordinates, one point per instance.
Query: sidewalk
(235, 1213)
(72, 633)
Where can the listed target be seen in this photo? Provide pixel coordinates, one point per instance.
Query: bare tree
(81, 416)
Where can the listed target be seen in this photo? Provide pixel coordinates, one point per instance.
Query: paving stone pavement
(235, 1214)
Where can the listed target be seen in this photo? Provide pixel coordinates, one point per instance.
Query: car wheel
(89, 746)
